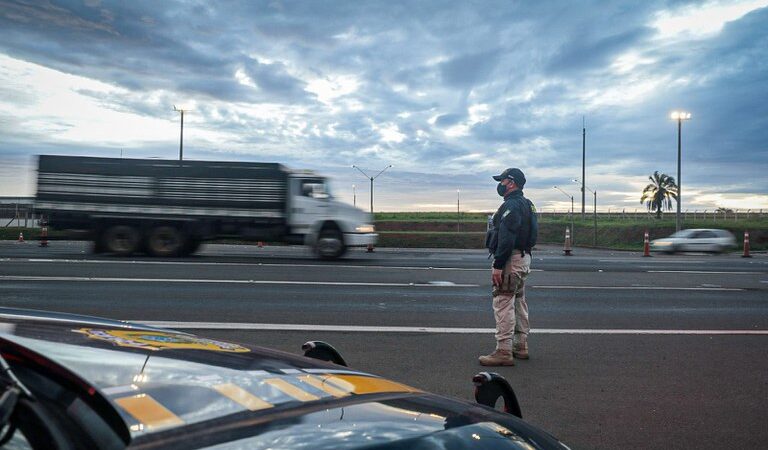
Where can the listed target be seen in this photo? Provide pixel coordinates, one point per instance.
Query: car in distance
(78, 382)
(695, 240)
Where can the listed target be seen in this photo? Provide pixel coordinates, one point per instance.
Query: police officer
(511, 236)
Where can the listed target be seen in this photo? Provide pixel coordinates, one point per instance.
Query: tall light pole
(679, 116)
(594, 211)
(571, 197)
(583, 161)
(372, 178)
(181, 136)
(458, 211)
(354, 196)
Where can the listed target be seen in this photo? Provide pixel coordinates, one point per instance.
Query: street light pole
(354, 196)
(583, 161)
(372, 179)
(679, 116)
(594, 211)
(458, 211)
(573, 234)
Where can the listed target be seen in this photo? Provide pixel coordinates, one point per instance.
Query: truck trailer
(169, 207)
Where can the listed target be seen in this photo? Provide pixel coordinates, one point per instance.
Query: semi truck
(168, 207)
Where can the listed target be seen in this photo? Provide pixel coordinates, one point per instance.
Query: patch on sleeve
(505, 214)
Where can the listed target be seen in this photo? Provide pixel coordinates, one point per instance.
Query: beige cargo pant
(509, 306)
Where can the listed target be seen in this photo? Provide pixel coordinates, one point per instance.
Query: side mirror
(323, 351)
(489, 386)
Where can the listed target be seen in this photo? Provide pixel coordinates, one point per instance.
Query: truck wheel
(330, 244)
(121, 240)
(165, 241)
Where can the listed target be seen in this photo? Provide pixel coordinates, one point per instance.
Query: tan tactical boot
(498, 358)
(520, 350)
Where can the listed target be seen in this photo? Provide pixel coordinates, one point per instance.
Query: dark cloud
(518, 76)
(586, 53)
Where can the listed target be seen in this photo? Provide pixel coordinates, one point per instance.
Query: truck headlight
(661, 243)
(367, 228)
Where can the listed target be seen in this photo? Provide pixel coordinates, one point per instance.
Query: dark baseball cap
(513, 174)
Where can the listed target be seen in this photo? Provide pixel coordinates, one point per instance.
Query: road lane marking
(433, 284)
(639, 288)
(658, 261)
(393, 329)
(198, 263)
(705, 272)
(212, 281)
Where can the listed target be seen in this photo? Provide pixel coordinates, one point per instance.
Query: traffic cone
(646, 245)
(370, 248)
(746, 245)
(261, 244)
(567, 247)
(21, 238)
(44, 236)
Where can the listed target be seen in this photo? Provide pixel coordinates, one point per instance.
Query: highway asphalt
(663, 352)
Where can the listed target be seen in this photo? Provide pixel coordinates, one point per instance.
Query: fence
(18, 212)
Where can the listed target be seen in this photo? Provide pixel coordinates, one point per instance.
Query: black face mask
(501, 189)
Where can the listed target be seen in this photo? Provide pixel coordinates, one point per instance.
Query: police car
(78, 382)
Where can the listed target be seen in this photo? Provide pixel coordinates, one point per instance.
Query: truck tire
(330, 244)
(165, 240)
(121, 240)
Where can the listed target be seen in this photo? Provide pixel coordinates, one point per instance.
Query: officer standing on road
(511, 235)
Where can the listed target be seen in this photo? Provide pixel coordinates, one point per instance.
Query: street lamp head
(680, 115)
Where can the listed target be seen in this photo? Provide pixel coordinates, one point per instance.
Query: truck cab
(325, 224)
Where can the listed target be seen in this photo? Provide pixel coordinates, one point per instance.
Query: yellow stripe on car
(242, 397)
(291, 390)
(358, 384)
(321, 384)
(148, 411)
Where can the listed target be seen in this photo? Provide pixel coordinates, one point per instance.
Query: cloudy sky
(449, 93)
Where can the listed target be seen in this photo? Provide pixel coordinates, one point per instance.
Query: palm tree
(660, 193)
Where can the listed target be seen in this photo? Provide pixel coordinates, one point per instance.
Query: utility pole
(372, 179)
(354, 196)
(181, 136)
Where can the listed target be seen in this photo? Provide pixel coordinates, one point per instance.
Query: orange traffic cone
(21, 238)
(746, 245)
(370, 248)
(646, 245)
(261, 244)
(567, 247)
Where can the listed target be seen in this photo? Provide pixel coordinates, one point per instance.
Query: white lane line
(387, 329)
(638, 288)
(197, 263)
(435, 284)
(705, 272)
(660, 261)
(177, 280)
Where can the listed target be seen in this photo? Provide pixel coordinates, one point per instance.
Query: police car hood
(167, 385)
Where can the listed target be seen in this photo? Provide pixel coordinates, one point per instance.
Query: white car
(695, 240)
